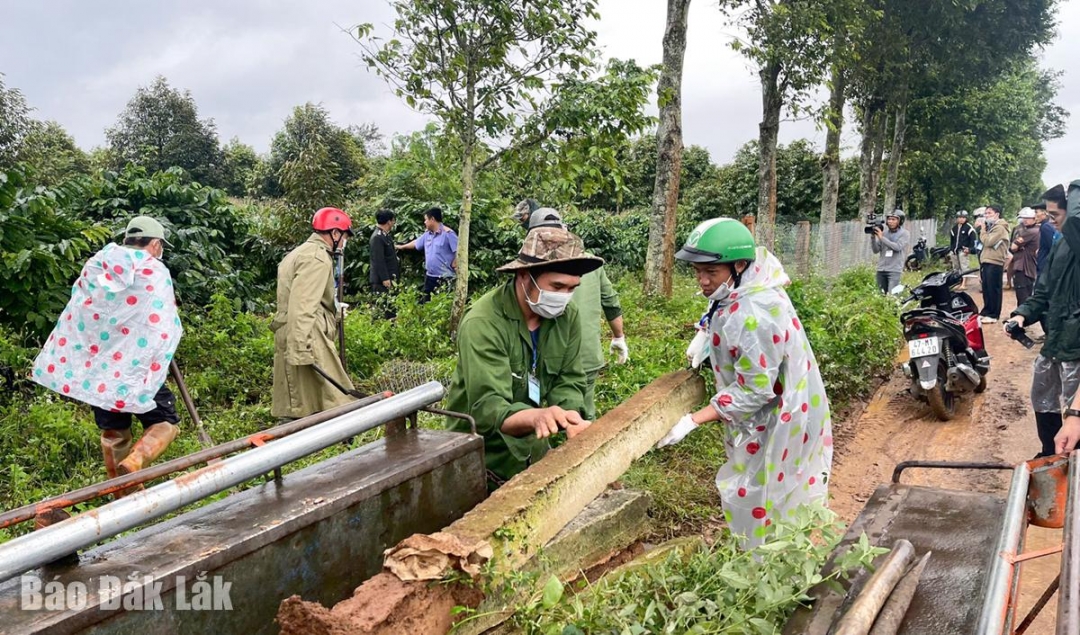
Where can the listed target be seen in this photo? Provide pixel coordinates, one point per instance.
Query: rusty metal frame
(111, 486)
(452, 414)
(947, 465)
(1068, 615)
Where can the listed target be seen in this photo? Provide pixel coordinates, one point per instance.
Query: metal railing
(56, 541)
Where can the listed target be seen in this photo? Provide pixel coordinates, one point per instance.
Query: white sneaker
(988, 320)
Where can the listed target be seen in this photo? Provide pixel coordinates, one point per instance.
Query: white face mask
(549, 304)
(722, 291)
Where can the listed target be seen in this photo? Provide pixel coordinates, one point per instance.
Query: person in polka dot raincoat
(770, 400)
(113, 343)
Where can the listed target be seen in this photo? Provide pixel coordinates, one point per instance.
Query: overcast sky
(249, 62)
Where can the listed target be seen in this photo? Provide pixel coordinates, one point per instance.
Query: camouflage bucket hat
(547, 246)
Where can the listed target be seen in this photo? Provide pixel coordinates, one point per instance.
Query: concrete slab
(319, 533)
(609, 524)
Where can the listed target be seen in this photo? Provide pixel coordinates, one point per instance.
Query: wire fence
(808, 249)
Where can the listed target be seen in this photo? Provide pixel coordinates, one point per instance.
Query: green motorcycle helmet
(718, 240)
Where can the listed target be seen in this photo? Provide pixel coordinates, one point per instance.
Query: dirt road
(997, 426)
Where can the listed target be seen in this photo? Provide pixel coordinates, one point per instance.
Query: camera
(874, 222)
(1019, 334)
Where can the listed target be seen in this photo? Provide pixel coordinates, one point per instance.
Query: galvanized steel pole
(996, 615)
(48, 544)
(1068, 617)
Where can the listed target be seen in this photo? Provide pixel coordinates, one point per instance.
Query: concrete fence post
(802, 248)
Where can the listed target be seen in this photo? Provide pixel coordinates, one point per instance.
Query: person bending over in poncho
(113, 344)
(770, 400)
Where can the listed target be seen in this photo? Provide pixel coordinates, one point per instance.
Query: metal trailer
(972, 583)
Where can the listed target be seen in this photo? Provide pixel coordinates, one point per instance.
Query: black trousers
(431, 285)
(1023, 286)
(991, 290)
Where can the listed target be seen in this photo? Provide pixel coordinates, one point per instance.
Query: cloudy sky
(248, 62)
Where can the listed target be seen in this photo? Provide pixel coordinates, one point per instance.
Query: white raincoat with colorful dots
(772, 403)
(112, 345)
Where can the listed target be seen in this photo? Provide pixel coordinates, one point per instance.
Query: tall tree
(788, 41)
(160, 128)
(482, 68)
(981, 144)
(311, 124)
(659, 260)
(15, 123)
(240, 166)
(938, 48)
(52, 153)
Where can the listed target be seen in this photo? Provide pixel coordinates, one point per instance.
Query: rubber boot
(115, 446)
(1048, 424)
(155, 440)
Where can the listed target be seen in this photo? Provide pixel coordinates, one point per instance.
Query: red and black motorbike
(945, 343)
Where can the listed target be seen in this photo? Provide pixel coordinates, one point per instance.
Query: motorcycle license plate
(924, 347)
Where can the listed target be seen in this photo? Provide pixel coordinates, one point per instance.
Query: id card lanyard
(534, 382)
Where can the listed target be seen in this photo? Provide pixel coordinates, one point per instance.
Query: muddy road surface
(996, 426)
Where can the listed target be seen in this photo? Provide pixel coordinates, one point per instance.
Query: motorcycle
(921, 257)
(945, 341)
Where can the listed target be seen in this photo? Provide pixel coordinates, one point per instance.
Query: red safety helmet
(329, 218)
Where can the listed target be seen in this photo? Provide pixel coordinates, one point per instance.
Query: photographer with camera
(890, 242)
(1056, 301)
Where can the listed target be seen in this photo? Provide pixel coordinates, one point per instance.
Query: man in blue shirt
(439, 244)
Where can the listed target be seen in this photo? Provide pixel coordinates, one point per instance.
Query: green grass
(50, 445)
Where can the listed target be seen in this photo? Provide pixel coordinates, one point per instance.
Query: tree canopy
(160, 129)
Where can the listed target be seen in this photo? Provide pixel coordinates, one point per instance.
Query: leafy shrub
(210, 235)
(42, 248)
(854, 331)
(619, 238)
(715, 589)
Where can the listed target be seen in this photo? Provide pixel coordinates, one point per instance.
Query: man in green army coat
(305, 325)
(519, 371)
(594, 296)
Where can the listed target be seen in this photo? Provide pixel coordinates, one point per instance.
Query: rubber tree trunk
(870, 158)
(892, 172)
(461, 286)
(660, 257)
(830, 162)
(771, 104)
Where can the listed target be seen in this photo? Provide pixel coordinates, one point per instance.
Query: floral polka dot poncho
(112, 345)
(772, 403)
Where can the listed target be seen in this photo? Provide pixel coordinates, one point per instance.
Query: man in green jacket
(1056, 301)
(519, 371)
(305, 326)
(596, 295)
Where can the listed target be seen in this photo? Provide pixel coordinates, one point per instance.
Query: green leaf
(553, 591)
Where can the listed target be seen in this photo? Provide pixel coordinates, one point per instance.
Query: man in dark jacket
(1024, 249)
(1047, 231)
(962, 239)
(1056, 301)
(384, 260)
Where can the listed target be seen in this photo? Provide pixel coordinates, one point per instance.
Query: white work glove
(619, 344)
(678, 432)
(698, 349)
(341, 307)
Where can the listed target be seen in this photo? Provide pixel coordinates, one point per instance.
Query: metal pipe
(48, 544)
(1068, 617)
(995, 617)
(189, 403)
(67, 499)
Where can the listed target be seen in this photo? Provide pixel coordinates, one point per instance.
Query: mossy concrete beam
(534, 506)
